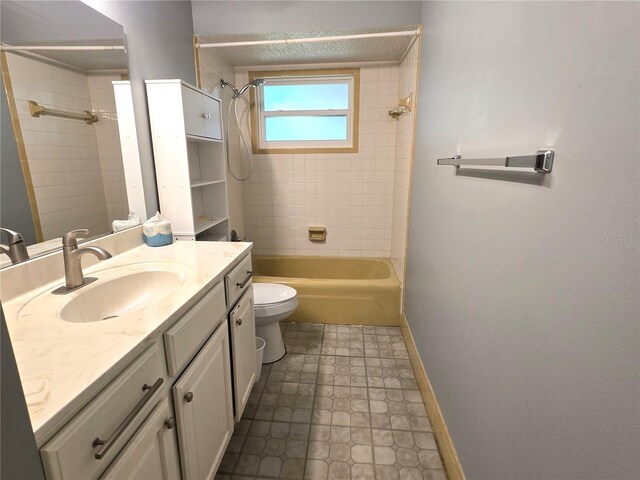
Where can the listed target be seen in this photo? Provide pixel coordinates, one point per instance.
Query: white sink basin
(115, 297)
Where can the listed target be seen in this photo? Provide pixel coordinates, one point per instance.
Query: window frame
(351, 76)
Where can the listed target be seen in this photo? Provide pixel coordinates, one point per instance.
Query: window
(306, 111)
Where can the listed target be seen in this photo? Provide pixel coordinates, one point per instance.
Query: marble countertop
(63, 364)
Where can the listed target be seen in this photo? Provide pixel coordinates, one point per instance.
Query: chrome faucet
(15, 249)
(74, 278)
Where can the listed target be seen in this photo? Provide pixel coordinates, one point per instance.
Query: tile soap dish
(318, 234)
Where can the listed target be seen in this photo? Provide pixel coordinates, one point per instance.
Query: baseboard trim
(440, 430)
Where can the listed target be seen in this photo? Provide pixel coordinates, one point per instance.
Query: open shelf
(212, 237)
(194, 180)
(202, 183)
(201, 224)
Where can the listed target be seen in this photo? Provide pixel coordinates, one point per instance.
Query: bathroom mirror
(61, 166)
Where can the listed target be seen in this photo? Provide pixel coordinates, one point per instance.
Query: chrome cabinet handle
(170, 423)
(206, 115)
(246, 280)
(239, 322)
(113, 438)
(188, 397)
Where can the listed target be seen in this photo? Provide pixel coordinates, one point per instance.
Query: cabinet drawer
(237, 280)
(71, 454)
(183, 340)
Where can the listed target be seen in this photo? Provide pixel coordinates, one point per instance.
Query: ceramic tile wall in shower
(212, 69)
(407, 84)
(350, 194)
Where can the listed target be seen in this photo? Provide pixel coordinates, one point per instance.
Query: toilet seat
(273, 299)
(274, 309)
(265, 294)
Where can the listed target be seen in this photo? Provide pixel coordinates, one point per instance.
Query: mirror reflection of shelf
(204, 223)
(195, 138)
(202, 183)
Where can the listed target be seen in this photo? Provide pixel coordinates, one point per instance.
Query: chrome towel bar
(541, 161)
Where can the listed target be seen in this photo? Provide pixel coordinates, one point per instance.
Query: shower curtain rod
(286, 41)
(10, 48)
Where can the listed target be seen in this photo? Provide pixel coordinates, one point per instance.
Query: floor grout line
(366, 376)
(313, 406)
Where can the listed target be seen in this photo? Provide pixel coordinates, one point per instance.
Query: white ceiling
(376, 49)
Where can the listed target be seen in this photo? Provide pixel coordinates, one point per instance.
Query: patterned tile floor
(342, 404)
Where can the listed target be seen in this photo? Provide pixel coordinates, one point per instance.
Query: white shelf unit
(189, 154)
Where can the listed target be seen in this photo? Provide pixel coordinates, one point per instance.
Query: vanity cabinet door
(213, 128)
(243, 348)
(204, 409)
(152, 453)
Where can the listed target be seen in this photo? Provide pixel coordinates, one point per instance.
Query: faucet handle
(14, 237)
(70, 239)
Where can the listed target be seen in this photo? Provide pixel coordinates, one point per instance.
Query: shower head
(254, 83)
(238, 93)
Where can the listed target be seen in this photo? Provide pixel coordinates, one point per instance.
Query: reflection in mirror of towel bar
(12, 48)
(39, 110)
(541, 161)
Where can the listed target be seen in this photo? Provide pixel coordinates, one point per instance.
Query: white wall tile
(334, 190)
(407, 84)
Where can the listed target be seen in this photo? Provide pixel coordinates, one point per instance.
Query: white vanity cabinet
(204, 408)
(152, 452)
(190, 159)
(171, 412)
(92, 439)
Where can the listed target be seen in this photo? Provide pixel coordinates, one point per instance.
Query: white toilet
(273, 302)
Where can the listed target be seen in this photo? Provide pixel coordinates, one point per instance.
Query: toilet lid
(268, 293)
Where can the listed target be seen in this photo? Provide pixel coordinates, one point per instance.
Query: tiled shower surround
(407, 84)
(342, 404)
(349, 193)
(361, 198)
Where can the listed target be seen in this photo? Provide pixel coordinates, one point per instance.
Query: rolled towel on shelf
(132, 221)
